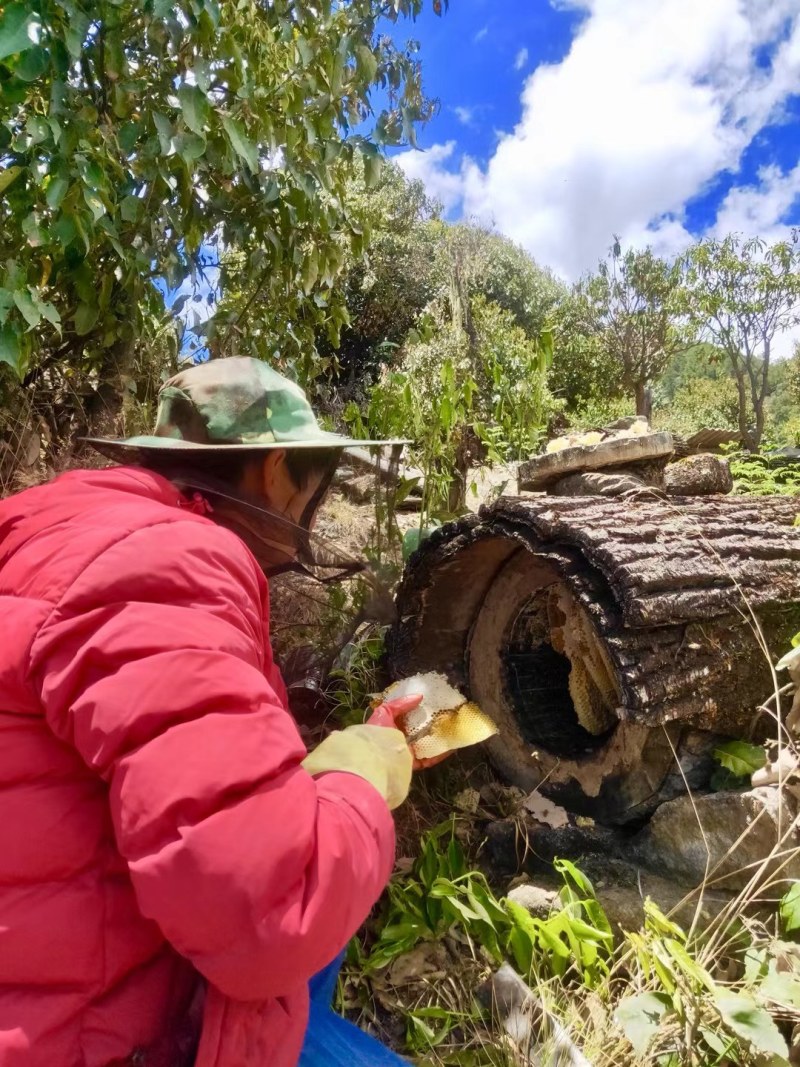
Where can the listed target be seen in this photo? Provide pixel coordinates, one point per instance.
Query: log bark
(690, 597)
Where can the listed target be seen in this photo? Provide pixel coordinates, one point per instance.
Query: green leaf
(310, 270)
(740, 758)
(241, 144)
(130, 208)
(18, 29)
(413, 538)
(6, 304)
(305, 50)
(9, 348)
(164, 130)
(366, 63)
(781, 988)
(373, 165)
(56, 191)
(32, 230)
(190, 147)
(85, 318)
(640, 1017)
(49, 312)
(9, 175)
(27, 308)
(94, 203)
(77, 29)
(743, 1016)
(129, 134)
(194, 107)
(33, 64)
(790, 909)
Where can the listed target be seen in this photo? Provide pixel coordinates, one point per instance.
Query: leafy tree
(414, 262)
(131, 133)
(793, 376)
(628, 314)
(583, 371)
(387, 288)
(741, 294)
(701, 403)
(700, 361)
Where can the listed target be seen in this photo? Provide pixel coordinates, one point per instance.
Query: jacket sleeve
(152, 667)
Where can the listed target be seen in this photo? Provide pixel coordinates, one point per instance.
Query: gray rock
(738, 831)
(429, 960)
(596, 483)
(542, 471)
(702, 475)
(623, 887)
(535, 899)
(522, 844)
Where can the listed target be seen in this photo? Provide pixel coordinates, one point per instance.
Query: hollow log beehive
(596, 631)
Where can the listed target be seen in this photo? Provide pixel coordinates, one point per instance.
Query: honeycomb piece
(444, 721)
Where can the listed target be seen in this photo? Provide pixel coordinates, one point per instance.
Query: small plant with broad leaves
(737, 760)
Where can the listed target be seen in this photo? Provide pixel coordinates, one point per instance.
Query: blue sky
(564, 121)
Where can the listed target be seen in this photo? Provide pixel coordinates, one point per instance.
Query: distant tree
(698, 362)
(386, 288)
(628, 311)
(793, 376)
(700, 404)
(583, 372)
(413, 263)
(741, 294)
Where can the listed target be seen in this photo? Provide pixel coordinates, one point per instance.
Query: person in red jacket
(167, 845)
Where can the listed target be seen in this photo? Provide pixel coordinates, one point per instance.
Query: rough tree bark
(681, 593)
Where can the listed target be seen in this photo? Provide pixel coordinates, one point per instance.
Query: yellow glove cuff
(378, 754)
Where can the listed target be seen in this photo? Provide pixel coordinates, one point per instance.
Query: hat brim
(131, 449)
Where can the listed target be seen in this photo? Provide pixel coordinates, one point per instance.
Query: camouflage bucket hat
(238, 404)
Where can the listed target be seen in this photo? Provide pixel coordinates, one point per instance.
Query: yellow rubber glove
(378, 754)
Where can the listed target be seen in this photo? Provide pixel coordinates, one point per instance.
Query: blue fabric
(332, 1041)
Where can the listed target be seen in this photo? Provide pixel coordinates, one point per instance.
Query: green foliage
(740, 758)
(627, 318)
(700, 404)
(790, 910)
(740, 294)
(459, 392)
(686, 1009)
(583, 373)
(698, 362)
(720, 997)
(353, 681)
(441, 894)
(764, 476)
(597, 412)
(640, 1016)
(133, 133)
(493, 267)
(576, 938)
(387, 288)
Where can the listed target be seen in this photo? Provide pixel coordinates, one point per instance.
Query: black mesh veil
(278, 544)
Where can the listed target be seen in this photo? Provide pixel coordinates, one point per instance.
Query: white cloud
(521, 59)
(654, 100)
(465, 115)
(761, 210)
(480, 35)
(428, 168)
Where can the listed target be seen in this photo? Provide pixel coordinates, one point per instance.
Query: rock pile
(622, 459)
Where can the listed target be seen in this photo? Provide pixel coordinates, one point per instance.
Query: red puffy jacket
(155, 821)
